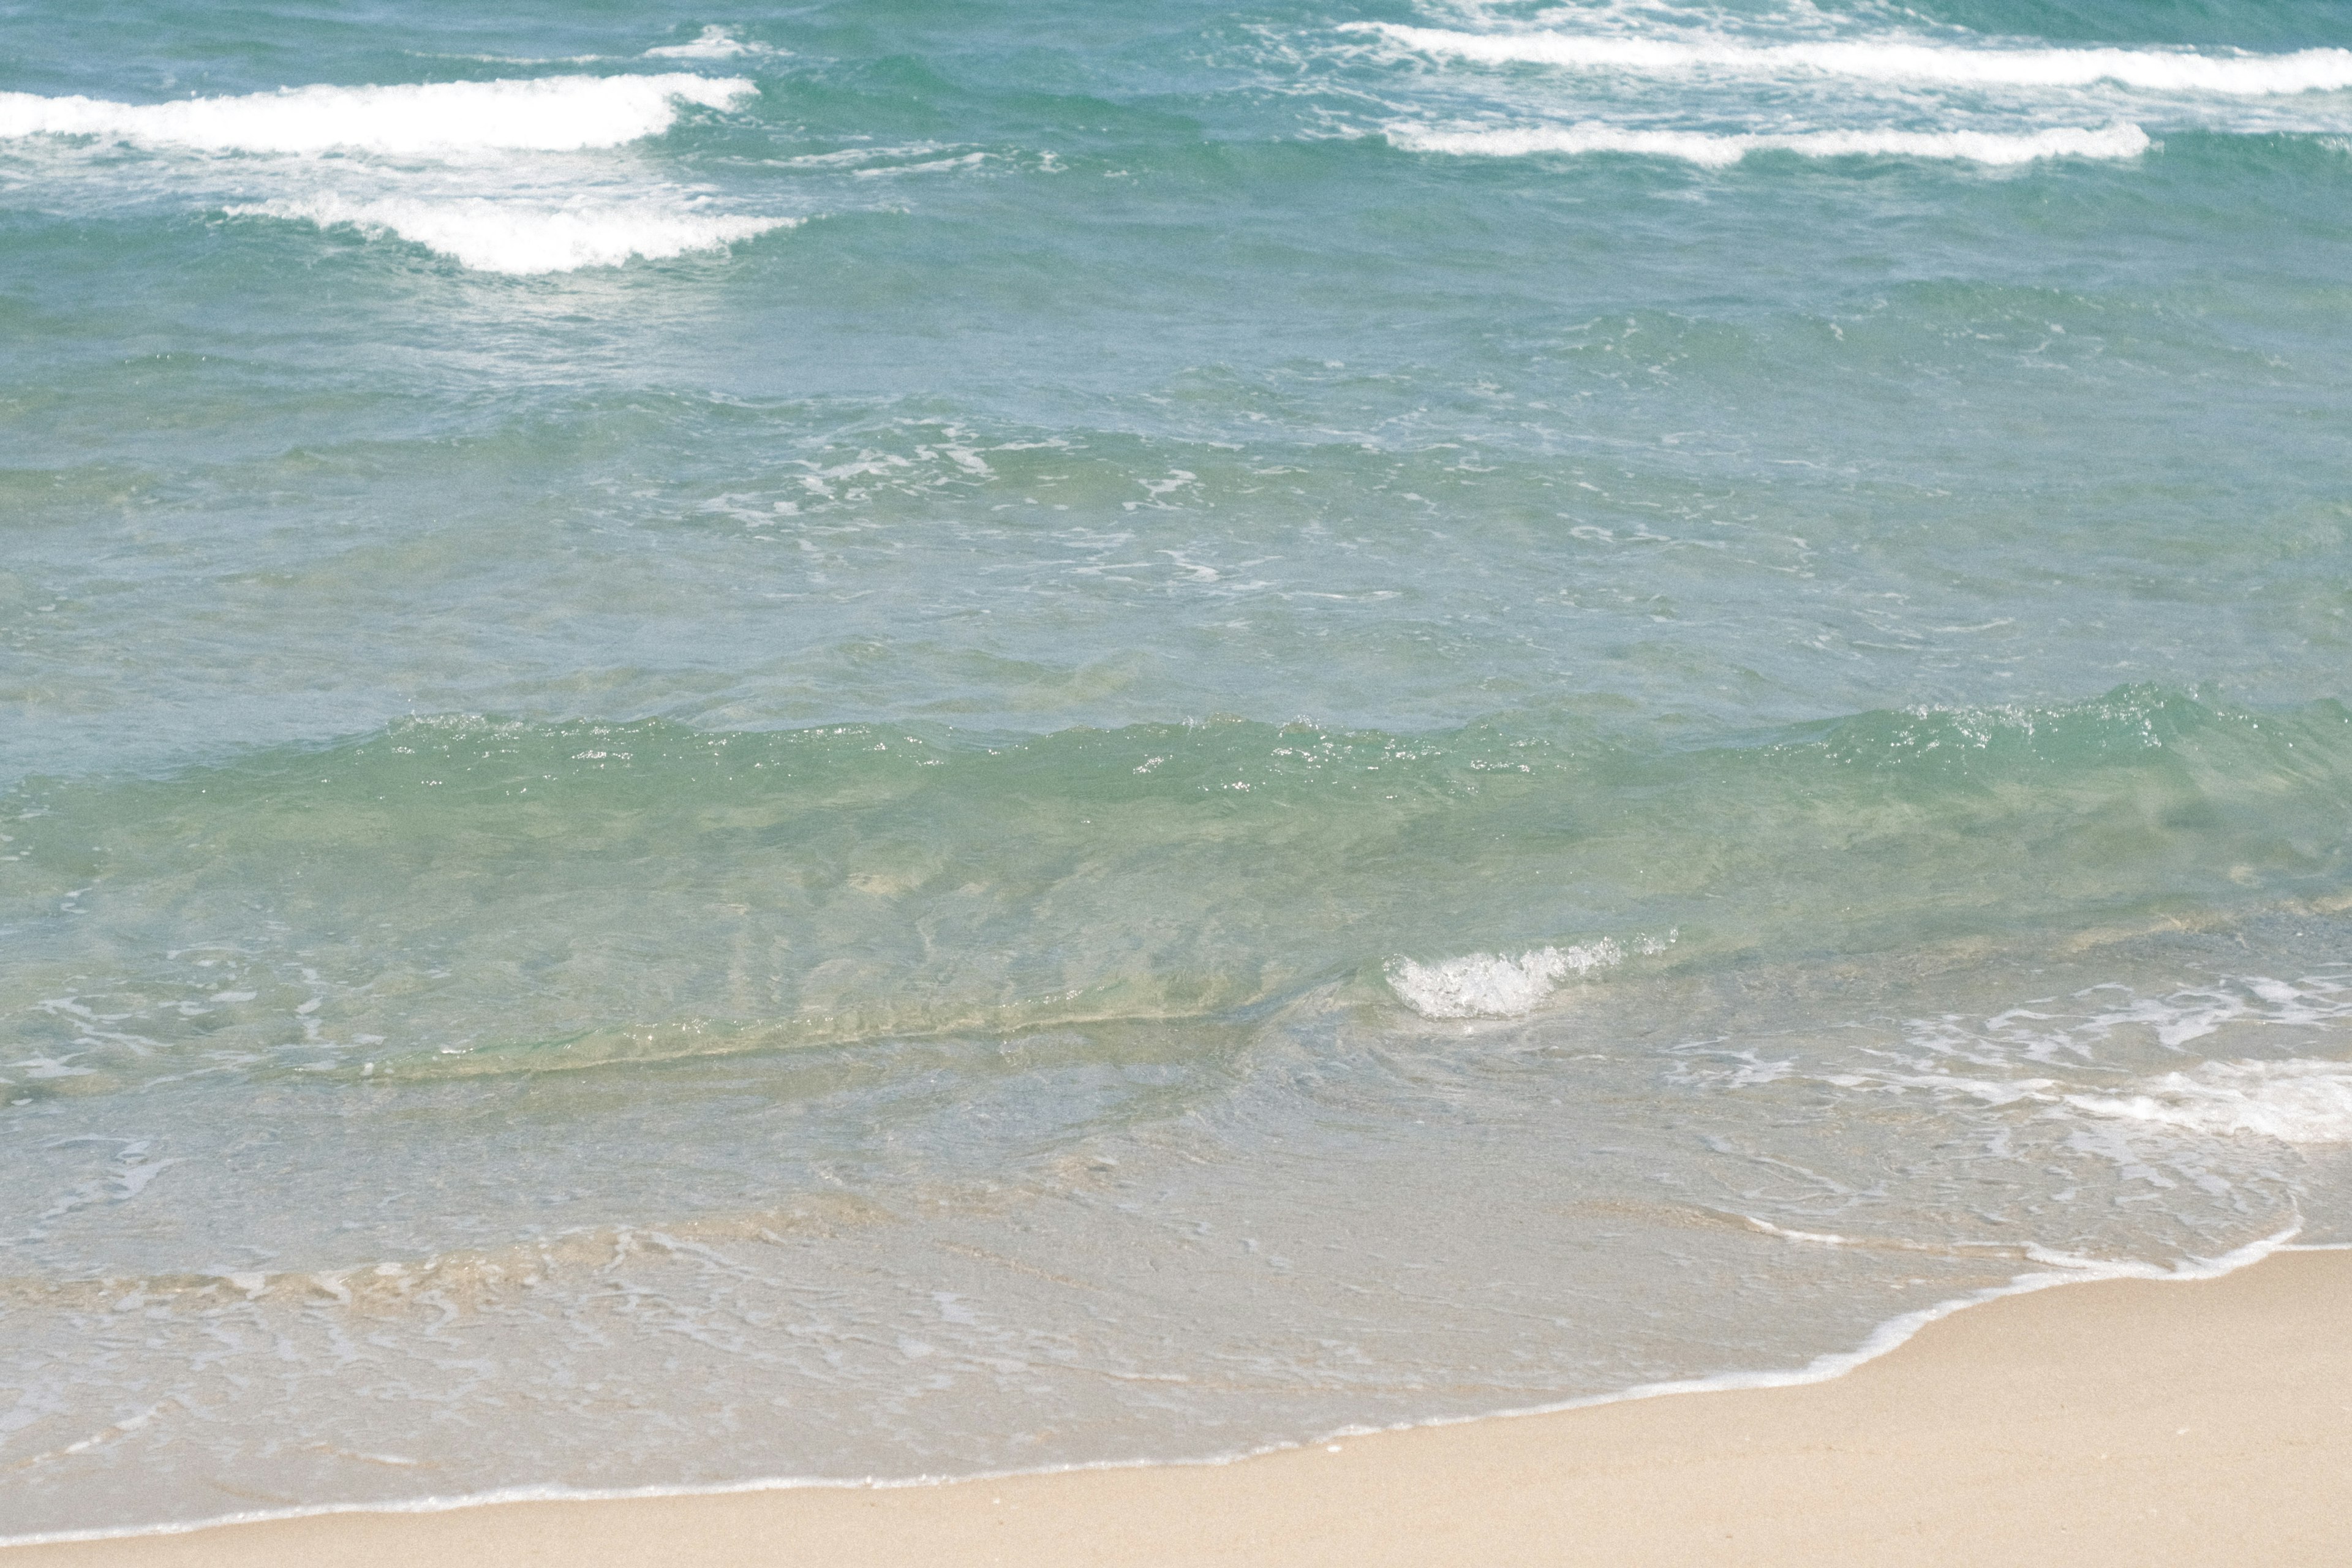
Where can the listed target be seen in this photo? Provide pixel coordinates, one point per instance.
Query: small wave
(502, 237)
(1489, 985)
(561, 113)
(2297, 1101)
(1715, 151)
(2307, 70)
(714, 44)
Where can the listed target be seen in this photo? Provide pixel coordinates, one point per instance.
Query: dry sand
(2123, 1423)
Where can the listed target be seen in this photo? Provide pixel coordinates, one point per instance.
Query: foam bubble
(1489, 985)
(1715, 151)
(561, 113)
(507, 237)
(2297, 1101)
(1894, 60)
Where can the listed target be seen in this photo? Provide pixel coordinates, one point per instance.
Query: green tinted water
(896, 740)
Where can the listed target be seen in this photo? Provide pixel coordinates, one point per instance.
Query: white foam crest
(561, 113)
(1490, 986)
(512, 238)
(1716, 151)
(2297, 1101)
(1894, 60)
(714, 44)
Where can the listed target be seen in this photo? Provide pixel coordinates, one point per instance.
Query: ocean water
(887, 740)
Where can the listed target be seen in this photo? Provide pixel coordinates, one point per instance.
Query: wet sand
(2118, 1422)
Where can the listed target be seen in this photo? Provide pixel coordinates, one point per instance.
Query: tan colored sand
(2110, 1424)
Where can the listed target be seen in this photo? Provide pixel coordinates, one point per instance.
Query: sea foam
(2297, 1101)
(1715, 151)
(563, 114)
(1489, 985)
(2307, 70)
(504, 236)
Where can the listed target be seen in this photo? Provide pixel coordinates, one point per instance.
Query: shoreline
(1953, 1352)
(1883, 1339)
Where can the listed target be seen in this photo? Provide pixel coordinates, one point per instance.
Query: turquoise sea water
(900, 738)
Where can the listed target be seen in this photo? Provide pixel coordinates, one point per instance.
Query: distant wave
(2307, 70)
(1719, 151)
(561, 113)
(503, 237)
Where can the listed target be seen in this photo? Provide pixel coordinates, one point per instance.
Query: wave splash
(1716, 151)
(2307, 70)
(1489, 985)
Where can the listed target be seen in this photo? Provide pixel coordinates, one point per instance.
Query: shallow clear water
(896, 740)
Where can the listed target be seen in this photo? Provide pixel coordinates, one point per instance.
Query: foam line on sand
(2123, 1421)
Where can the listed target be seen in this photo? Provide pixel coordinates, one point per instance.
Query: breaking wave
(504, 236)
(714, 44)
(2307, 70)
(1488, 985)
(1716, 151)
(565, 113)
(493, 193)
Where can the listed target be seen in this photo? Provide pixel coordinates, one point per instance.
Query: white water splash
(1489, 985)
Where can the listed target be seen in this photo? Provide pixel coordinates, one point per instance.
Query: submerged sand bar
(2122, 1422)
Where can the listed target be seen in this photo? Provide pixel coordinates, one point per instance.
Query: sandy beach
(2119, 1422)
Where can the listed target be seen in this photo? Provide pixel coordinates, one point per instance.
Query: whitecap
(1894, 60)
(562, 113)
